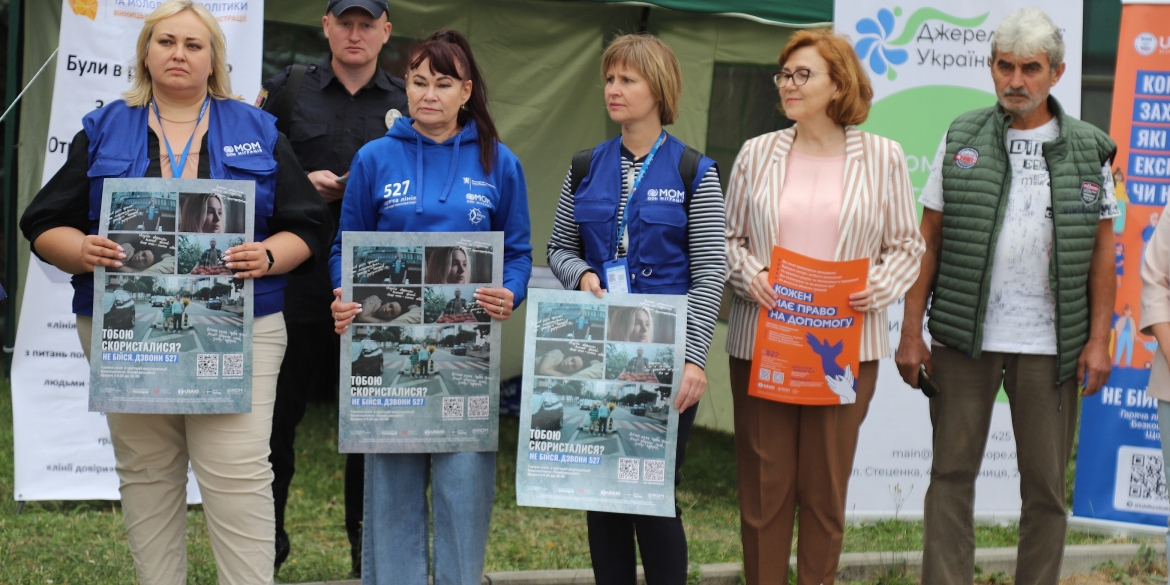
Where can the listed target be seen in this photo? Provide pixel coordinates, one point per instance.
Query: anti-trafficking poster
(172, 328)
(597, 424)
(420, 367)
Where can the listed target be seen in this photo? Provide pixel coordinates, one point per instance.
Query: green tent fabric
(542, 61)
(788, 12)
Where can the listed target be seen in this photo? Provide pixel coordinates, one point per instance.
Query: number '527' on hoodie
(406, 182)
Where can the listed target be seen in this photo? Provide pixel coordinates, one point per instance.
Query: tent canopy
(788, 13)
(541, 60)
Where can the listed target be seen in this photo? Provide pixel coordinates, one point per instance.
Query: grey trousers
(1044, 419)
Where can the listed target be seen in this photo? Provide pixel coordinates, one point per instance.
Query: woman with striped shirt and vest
(827, 190)
(627, 204)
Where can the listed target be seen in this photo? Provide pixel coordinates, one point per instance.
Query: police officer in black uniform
(328, 110)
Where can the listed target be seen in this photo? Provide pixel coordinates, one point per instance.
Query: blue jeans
(395, 535)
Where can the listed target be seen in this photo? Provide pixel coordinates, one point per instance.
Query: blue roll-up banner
(1120, 481)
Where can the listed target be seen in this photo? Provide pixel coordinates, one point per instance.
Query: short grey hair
(1028, 31)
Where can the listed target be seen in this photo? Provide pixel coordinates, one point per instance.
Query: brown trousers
(788, 454)
(1044, 418)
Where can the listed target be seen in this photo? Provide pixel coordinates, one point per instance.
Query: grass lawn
(60, 543)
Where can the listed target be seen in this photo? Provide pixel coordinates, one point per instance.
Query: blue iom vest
(659, 251)
(118, 149)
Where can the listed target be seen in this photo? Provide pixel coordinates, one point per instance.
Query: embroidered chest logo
(666, 195)
(476, 215)
(243, 149)
(1089, 193)
(966, 158)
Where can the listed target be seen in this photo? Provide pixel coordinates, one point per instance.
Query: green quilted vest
(976, 181)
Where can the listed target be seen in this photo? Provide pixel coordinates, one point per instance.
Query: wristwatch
(271, 261)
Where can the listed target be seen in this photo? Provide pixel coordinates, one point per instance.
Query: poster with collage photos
(420, 367)
(172, 329)
(597, 424)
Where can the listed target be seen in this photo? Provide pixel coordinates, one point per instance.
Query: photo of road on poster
(420, 363)
(597, 424)
(172, 327)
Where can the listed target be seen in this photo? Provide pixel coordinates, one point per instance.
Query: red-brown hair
(852, 106)
(449, 53)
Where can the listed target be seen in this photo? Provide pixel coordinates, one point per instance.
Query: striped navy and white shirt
(707, 248)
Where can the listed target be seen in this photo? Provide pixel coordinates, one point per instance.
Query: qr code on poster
(233, 365)
(207, 365)
(452, 407)
(628, 468)
(1140, 483)
(1146, 477)
(653, 470)
(478, 406)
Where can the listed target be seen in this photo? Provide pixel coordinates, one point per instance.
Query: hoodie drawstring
(418, 171)
(453, 170)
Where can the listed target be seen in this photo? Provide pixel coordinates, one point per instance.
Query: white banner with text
(63, 451)
(930, 61)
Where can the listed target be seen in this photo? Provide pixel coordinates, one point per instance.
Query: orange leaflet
(808, 345)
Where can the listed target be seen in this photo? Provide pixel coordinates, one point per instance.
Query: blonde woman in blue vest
(666, 244)
(182, 96)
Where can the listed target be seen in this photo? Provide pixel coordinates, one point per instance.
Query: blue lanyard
(177, 170)
(634, 188)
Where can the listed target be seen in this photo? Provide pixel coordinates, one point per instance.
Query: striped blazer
(878, 221)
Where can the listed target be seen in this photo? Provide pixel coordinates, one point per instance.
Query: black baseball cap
(376, 8)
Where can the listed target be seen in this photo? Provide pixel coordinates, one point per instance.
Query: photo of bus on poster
(172, 329)
(420, 364)
(597, 424)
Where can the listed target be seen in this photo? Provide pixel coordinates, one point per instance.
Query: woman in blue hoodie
(442, 169)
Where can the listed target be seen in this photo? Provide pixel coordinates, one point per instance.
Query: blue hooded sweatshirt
(406, 182)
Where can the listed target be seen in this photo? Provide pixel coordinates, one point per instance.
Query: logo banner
(1119, 435)
(63, 451)
(930, 61)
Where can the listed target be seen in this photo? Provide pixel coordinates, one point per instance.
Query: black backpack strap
(288, 98)
(688, 167)
(581, 162)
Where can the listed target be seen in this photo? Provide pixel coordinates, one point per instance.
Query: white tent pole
(30, 82)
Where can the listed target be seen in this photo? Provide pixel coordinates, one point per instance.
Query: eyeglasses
(799, 77)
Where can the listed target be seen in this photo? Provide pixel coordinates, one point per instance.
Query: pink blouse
(810, 205)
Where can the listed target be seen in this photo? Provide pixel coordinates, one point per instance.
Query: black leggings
(662, 540)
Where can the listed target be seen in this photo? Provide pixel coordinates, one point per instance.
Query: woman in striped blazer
(827, 190)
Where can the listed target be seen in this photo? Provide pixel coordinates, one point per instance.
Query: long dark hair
(449, 52)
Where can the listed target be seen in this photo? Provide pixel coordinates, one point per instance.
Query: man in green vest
(1018, 225)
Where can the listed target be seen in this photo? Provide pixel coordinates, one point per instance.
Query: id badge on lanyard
(617, 271)
(617, 276)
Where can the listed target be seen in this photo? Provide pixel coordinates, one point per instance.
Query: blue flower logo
(874, 45)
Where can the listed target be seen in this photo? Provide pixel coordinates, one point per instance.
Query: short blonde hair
(219, 85)
(654, 60)
(852, 106)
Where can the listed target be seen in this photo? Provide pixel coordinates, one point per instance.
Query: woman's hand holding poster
(808, 344)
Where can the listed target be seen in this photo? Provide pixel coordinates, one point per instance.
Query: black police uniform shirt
(328, 127)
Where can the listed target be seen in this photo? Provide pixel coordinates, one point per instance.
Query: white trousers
(229, 453)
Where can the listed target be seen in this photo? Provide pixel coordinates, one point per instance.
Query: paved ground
(209, 330)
